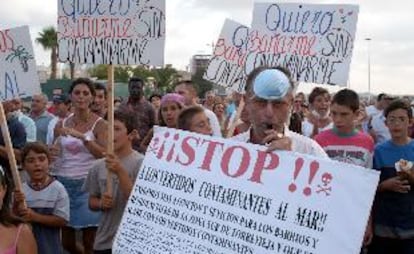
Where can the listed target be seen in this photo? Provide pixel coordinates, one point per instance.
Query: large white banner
(314, 41)
(112, 32)
(227, 65)
(18, 74)
(200, 194)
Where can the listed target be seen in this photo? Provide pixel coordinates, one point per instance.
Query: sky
(193, 25)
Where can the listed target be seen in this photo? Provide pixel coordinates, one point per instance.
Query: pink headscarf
(172, 97)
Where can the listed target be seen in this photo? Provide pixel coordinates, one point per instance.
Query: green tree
(121, 73)
(48, 39)
(99, 71)
(165, 78)
(141, 72)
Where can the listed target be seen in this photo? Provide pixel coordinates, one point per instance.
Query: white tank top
(76, 160)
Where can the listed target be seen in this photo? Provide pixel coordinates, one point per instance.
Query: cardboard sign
(314, 41)
(227, 65)
(18, 73)
(112, 32)
(200, 194)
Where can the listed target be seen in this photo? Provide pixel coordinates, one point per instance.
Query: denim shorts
(80, 214)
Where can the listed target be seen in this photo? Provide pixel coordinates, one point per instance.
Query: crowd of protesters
(60, 151)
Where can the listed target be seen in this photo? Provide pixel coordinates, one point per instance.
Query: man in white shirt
(376, 123)
(188, 91)
(269, 100)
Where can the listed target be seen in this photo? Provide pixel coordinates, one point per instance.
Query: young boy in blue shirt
(393, 211)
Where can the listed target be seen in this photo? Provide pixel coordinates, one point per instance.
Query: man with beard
(143, 109)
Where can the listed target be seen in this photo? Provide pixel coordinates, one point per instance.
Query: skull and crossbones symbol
(326, 180)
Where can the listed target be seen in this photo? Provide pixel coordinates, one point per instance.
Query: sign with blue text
(314, 41)
(201, 194)
(18, 74)
(120, 32)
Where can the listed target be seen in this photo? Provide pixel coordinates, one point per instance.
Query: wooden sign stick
(110, 140)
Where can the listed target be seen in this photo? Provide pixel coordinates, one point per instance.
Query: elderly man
(269, 100)
(40, 116)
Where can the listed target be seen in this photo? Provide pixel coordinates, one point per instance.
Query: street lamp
(369, 68)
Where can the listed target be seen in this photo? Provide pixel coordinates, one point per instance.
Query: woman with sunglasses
(81, 140)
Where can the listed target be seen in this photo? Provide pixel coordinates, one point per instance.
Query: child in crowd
(393, 208)
(344, 142)
(317, 120)
(195, 120)
(47, 200)
(170, 107)
(124, 164)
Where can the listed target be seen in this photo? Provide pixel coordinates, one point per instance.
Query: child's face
(201, 124)
(343, 117)
(36, 165)
(169, 113)
(121, 136)
(321, 104)
(398, 123)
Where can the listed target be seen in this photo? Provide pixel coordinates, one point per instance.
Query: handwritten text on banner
(315, 42)
(112, 32)
(199, 194)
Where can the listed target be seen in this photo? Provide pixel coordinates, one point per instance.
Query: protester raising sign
(111, 32)
(18, 75)
(200, 194)
(315, 42)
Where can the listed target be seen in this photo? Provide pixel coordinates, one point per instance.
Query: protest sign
(18, 74)
(314, 41)
(201, 194)
(226, 66)
(111, 32)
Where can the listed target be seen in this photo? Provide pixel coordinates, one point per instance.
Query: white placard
(112, 32)
(18, 73)
(227, 65)
(314, 41)
(200, 194)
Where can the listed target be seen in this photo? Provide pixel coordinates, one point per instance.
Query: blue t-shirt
(393, 212)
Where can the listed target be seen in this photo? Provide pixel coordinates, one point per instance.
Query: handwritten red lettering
(6, 41)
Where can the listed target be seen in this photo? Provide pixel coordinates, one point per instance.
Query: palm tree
(48, 39)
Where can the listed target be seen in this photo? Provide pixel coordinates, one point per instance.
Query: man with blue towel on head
(269, 99)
